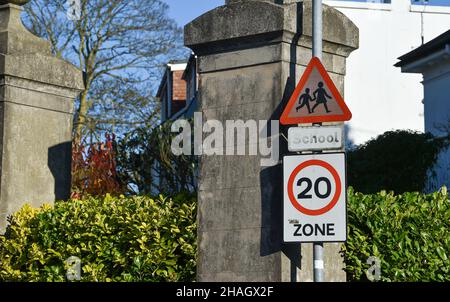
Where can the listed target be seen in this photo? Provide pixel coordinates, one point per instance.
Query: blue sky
(184, 11)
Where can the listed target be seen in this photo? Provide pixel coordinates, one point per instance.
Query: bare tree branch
(118, 44)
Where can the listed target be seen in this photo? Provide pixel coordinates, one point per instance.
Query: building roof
(171, 66)
(437, 44)
(190, 63)
(162, 83)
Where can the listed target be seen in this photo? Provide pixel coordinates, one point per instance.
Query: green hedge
(409, 233)
(394, 161)
(145, 239)
(116, 239)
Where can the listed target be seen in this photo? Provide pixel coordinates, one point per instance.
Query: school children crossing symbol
(315, 99)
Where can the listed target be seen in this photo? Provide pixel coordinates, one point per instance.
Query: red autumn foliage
(94, 169)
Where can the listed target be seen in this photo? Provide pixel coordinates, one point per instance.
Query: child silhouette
(304, 101)
(321, 96)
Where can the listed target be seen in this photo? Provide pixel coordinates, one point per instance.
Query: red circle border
(334, 200)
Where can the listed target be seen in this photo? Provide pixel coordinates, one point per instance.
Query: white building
(432, 60)
(380, 97)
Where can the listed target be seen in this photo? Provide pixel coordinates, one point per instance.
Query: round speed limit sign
(314, 198)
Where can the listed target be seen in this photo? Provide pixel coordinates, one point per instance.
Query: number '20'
(309, 184)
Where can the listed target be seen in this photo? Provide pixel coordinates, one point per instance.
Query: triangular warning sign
(315, 99)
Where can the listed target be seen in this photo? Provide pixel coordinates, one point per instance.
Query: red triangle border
(346, 114)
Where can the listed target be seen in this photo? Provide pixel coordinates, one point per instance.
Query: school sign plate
(315, 138)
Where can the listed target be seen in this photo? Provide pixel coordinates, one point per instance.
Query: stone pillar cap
(242, 23)
(16, 2)
(14, 37)
(26, 56)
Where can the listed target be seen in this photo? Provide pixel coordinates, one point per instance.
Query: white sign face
(315, 195)
(315, 138)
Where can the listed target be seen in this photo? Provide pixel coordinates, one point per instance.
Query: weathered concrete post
(250, 56)
(37, 92)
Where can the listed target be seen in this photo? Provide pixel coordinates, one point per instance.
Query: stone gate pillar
(37, 92)
(250, 56)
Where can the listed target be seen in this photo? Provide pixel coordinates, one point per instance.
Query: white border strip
(359, 5)
(177, 66)
(430, 9)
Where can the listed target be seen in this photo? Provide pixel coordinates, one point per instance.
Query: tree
(443, 128)
(119, 45)
(396, 161)
(146, 163)
(94, 169)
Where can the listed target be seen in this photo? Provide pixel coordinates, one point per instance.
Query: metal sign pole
(317, 29)
(317, 52)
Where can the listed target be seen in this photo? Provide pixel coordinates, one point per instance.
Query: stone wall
(250, 57)
(37, 92)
